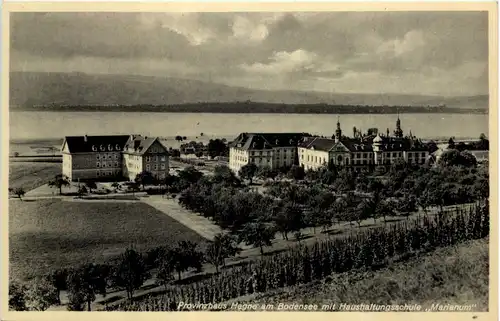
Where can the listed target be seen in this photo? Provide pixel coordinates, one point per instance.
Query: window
(423, 154)
(163, 158)
(102, 148)
(98, 174)
(147, 167)
(103, 164)
(94, 148)
(155, 167)
(98, 165)
(117, 147)
(148, 159)
(116, 164)
(110, 148)
(110, 156)
(162, 166)
(155, 158)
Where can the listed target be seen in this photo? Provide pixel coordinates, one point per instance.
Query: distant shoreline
(259, 108)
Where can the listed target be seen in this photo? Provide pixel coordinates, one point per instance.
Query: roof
(137, 144)
(267, 140)
(92, 144)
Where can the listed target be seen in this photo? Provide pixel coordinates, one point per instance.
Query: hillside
(28, 89)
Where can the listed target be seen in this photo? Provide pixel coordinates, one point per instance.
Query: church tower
(338, 131)
(398, 132)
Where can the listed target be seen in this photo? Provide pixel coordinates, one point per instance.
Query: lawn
(457, 275)
(47, 234)
(30, 175)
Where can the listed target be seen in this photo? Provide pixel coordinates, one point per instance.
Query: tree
(453, 157)
(134, 187)
(385, 208)
(297, 172)
(82, 190)
(248, 171)
(223, 174)
(289, 219)
(184, 256)
(178, 138)
(91, 184)
(59, 181)
(58, 278)
(363, 211)
(165, 269)
(17, 296)
(217, 147)
(407, 205)
(40, 295)
(184, 137)
(144, 178)
(198, 154)
(265, 172)
(86, 282)
(130, 273)
(222, 247)
(258, 234)
(372, 131)
(115, 185)
(451, 143)
(19, 191)
(188, 176)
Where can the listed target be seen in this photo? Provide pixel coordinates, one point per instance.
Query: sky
(434, 53)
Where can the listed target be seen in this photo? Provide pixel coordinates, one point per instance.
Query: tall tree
(144, 178)
(130, 273)
(86, 282)
(58, 278)
(17, 296)
(223, 174)
(258, 234)
(59, 181)
(248, 171)
(40, 295)
(19, 191)
(222, 247)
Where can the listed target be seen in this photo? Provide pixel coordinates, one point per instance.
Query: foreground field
(47, 234)
(30, 175)
(456, 275)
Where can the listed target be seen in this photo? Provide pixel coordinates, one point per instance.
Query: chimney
(85, 138)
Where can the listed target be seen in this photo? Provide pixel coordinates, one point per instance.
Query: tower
(338, 131)
(398, 132)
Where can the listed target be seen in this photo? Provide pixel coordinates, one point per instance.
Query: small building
(113, 157)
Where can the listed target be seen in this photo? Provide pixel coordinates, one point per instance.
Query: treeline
(371, 249)
(259, 107)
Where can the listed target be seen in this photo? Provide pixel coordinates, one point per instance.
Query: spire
(338, 132)
(398, 132)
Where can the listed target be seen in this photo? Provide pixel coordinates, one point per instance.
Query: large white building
(362, 151)
(275, 150)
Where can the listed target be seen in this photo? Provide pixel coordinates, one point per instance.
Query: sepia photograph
(249, 160)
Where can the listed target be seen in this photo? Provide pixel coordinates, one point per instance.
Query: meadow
(50, 234)
(30, 175)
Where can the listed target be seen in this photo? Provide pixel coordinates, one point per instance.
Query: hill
(28, 89)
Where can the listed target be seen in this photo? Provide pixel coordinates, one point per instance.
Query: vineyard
(371, 249)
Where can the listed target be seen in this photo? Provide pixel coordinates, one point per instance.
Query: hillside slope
(29, 89)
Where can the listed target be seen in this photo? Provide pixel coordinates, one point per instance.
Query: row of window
(106, 164)
(107, 173)
(104, 148)
(155, 158)
(106, 156)
(155, 167)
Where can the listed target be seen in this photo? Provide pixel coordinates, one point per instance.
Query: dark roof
(402, 144)
(357, 145)
(137, 144)
(267, 140)
(87, 144)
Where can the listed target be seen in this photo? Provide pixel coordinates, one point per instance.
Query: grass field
(456, 275)
(30, 175)
(45, 234)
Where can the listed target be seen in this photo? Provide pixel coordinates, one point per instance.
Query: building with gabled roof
(113, 157)
(363, 151)
(275, 150)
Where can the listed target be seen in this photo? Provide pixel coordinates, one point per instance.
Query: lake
(47, 125)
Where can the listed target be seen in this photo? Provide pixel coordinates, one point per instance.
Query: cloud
(354, 51)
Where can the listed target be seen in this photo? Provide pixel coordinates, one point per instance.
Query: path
(171, 207)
